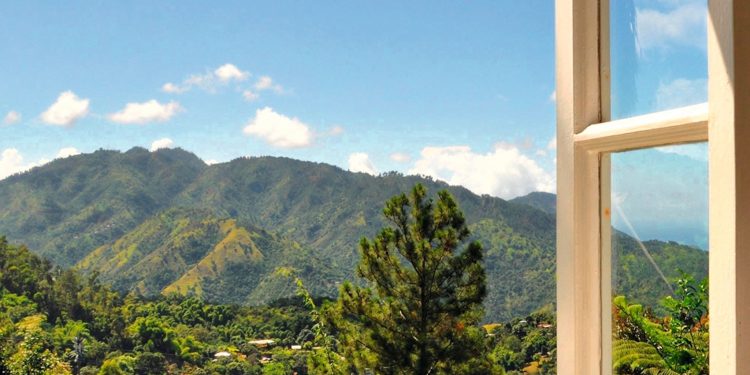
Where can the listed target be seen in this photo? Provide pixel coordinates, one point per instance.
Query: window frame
(586, 136)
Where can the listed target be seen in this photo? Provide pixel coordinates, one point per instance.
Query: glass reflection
(659, 244)
(658, 55)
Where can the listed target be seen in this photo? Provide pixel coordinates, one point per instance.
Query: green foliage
(73, 205)
(34, 357)
(417, 312)
(119, 365)
(676, 344)
(325, 359)
(16, 307)
(277, 368)
(149, 363)
(546, 202)
(633, 357)
(95, 331)
(524, 342)
(152, 334)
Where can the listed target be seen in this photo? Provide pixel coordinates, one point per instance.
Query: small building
(296, 347)
(263, 343)
(222, 355)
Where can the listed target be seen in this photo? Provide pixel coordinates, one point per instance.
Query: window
(586, 139)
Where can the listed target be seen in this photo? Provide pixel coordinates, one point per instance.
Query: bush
(148, 363)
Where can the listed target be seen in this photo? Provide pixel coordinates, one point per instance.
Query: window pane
(659, 217)
(658, 55)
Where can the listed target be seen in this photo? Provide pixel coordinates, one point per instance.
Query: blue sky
(462, 91)
(382, 78)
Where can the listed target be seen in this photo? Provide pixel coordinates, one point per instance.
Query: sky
(461, 91)
(668, 200)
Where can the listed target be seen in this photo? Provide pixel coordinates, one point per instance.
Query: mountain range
(235, 232)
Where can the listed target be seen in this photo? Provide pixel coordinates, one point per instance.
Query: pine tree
(417, 309)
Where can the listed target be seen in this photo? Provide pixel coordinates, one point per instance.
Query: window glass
(659, 242)
(658, 55)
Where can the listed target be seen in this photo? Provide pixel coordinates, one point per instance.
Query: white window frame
(585, 137)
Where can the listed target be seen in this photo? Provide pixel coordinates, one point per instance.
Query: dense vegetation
(119, 213)
(55, 321)
(677, 343)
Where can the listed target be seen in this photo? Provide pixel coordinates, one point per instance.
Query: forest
(57, 321)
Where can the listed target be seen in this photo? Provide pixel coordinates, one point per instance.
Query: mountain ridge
(160, 222)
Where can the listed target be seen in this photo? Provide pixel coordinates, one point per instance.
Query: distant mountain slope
(190, 251)
(331, 209)
(546, 202)
(637, 278)
(70, 206)
(160, 222)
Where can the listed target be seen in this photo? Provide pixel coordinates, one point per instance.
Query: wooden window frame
(585, 137)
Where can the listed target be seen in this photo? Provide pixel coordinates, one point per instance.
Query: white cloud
(504, 172)
(680, 92)
(66, 110)
(684, 25)
(279, 130)
(553, 96)
(266, 83)
(11, 162)
(552, 144)
(360, 162)
(336, 130)
(212, 161)
(400, 157)
(249, 95)
(161, 143)
(141, 113)
(229, 72)
(695, 151)
(67, 151)
(171, 88)
(208, 81)
(11, 118)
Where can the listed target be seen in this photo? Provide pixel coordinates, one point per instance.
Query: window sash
(585, 138)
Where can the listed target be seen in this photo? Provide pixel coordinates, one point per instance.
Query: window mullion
(579, 104)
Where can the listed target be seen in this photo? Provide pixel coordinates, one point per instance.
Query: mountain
(70, 206)
(546, 202)
(164, 221)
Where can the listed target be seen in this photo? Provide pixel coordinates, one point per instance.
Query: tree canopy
(421, 300)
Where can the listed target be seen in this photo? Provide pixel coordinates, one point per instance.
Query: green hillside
(161, 222)
(70, 206)
(546, 202)
(191, 252)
